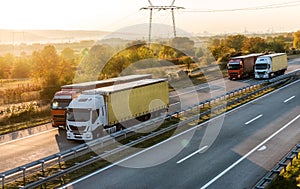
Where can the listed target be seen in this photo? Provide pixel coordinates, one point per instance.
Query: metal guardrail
(278, 168)
(111, 138)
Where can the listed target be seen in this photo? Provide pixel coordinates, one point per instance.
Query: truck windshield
(261, 66)
(60, 104)
(234, 66)
(80, 115)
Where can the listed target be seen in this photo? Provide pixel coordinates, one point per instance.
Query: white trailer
(270, 65)
(99, 111)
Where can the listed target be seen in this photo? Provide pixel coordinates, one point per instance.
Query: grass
(290, 179)
(19, 105)
(22, 118)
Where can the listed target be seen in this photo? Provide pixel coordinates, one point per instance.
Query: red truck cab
(59, 105)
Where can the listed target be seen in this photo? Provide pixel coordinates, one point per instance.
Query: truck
(242, 66)
(67, 93)
(103, 111)
(270, 65)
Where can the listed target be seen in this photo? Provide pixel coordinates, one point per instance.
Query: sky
(110, 15)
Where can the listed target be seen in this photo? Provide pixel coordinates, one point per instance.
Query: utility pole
(151, 7)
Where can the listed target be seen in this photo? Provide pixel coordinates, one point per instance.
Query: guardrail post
(24, 175)
(43, 166)
(75, 152)
(2, 180)
(58, 160)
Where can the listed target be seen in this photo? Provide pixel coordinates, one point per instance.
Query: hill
(48, 36)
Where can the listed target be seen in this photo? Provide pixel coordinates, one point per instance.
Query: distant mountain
(48, 36)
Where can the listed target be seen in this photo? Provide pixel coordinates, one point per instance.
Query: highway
(253, 138)
(23, 150)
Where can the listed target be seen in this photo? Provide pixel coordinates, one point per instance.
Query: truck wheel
(119, 126)
(147, 117)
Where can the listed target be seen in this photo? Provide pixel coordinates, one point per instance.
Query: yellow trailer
(136, 99)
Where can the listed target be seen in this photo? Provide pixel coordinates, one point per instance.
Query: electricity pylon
(151, 7)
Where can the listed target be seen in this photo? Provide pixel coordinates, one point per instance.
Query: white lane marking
(257, 117)
(187, 157)
(171, 138)
(264, 147)
(289, 99)
(15, 140)
(249, 153)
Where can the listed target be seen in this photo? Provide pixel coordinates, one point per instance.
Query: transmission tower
(151, 7)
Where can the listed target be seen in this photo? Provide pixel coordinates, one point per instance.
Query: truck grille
(59, 117)
(78, 129)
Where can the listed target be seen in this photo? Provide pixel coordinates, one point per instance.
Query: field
(20, 105)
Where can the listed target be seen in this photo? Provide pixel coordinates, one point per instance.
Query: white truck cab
(84, 115)
(262, 67)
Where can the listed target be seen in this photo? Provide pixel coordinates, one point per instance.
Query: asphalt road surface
(252, 139)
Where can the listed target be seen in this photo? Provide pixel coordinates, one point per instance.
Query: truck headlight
(88, 135)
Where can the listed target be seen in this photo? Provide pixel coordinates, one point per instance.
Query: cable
(271, 6)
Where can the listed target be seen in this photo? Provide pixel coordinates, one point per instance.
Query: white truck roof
(120, 87)
(272, 55)
(120, 79)
(84, 101)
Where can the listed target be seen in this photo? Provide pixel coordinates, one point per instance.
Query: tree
(68, 54)
(45, 63)
(219, 50)
(46, 70)
(254, 45)
(167, 52)
(235, 42)
(6, 64)
(183, 44)
(4, 69)
(296, 42)
(277, 44)
(22, 67)
(93, 62)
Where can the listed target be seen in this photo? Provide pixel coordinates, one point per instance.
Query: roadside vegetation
(290, 179)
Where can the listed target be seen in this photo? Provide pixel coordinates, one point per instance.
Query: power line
(262, 7)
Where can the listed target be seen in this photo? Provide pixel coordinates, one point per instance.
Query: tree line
(223, 49)
(51, 69)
